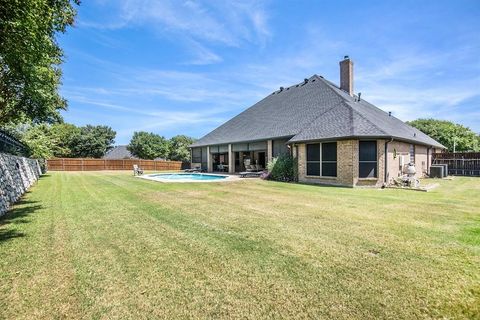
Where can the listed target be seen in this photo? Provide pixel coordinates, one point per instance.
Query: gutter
(385, 180)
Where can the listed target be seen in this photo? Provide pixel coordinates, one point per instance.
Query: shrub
(283, 168)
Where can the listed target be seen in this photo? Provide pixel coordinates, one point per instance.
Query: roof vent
(414, 134)
(305, 81)
(281, 89)
(359, 95)
(389, 113)
(313, 80)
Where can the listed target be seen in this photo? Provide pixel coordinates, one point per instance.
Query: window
(412, 153)
(322, 159)
(196, 155)
(313, 159)
(367, 164)
(329, 159)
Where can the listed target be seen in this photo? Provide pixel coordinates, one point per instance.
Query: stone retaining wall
(17, 174)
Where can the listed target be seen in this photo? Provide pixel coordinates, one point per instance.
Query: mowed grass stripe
(207, 241)
(252, 249)
(40, 271)
(337, 267)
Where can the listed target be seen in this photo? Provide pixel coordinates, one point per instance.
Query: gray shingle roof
(119, 152)
(313, 110)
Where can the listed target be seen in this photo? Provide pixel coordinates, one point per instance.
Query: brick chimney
(346, 75)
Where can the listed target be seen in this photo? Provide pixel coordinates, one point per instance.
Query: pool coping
(227, 178)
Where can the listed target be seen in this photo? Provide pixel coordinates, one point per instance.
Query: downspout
(429, 158)
(385, 180)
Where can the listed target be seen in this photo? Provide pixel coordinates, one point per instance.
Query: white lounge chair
(137, 171)
(247, 174)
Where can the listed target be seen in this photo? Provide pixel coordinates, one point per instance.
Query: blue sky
(185, 67)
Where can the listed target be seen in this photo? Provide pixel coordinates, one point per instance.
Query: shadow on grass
(17, 215)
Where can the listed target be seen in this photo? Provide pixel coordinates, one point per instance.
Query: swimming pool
(185, 177)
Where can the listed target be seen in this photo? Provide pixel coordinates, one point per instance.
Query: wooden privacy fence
(77, 164)
(459, 163)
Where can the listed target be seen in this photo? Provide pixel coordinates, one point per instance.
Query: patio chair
(137, 171)
(195, 167)
(247, 174)
(220, 167)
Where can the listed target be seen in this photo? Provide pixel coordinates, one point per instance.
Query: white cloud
(412, 83)
(415, 84)
(222, 22)
(202, 54)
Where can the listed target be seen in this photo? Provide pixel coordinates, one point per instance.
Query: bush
(283, 168)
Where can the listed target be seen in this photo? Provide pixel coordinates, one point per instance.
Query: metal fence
(459, 163)
(9, 144)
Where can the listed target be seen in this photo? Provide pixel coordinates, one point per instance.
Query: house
(119, 152)
(337, 137)
(122, 153)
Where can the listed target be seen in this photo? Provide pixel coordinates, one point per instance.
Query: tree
(449, 133)
(64, 137)
(37, 139)
(179, 148)
(93, 142)
(30, 58)
(146, 145)
(64, 140)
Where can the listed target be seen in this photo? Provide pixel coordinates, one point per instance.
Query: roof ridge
(347, 103)
(329, 85)
(365, 118)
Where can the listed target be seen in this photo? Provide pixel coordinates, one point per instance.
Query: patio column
(209, 160)
(231, 160)
(269, 150)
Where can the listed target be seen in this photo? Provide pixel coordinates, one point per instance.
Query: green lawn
(108, 245)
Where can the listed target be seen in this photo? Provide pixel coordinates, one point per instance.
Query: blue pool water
(188, 176)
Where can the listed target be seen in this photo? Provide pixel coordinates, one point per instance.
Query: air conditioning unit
(437, 171)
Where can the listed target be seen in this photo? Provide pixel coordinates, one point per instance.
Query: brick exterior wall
(396, 149)
(347, 163)
(346, 75)
(421, 160)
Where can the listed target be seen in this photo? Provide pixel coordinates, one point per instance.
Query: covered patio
(237, 157)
